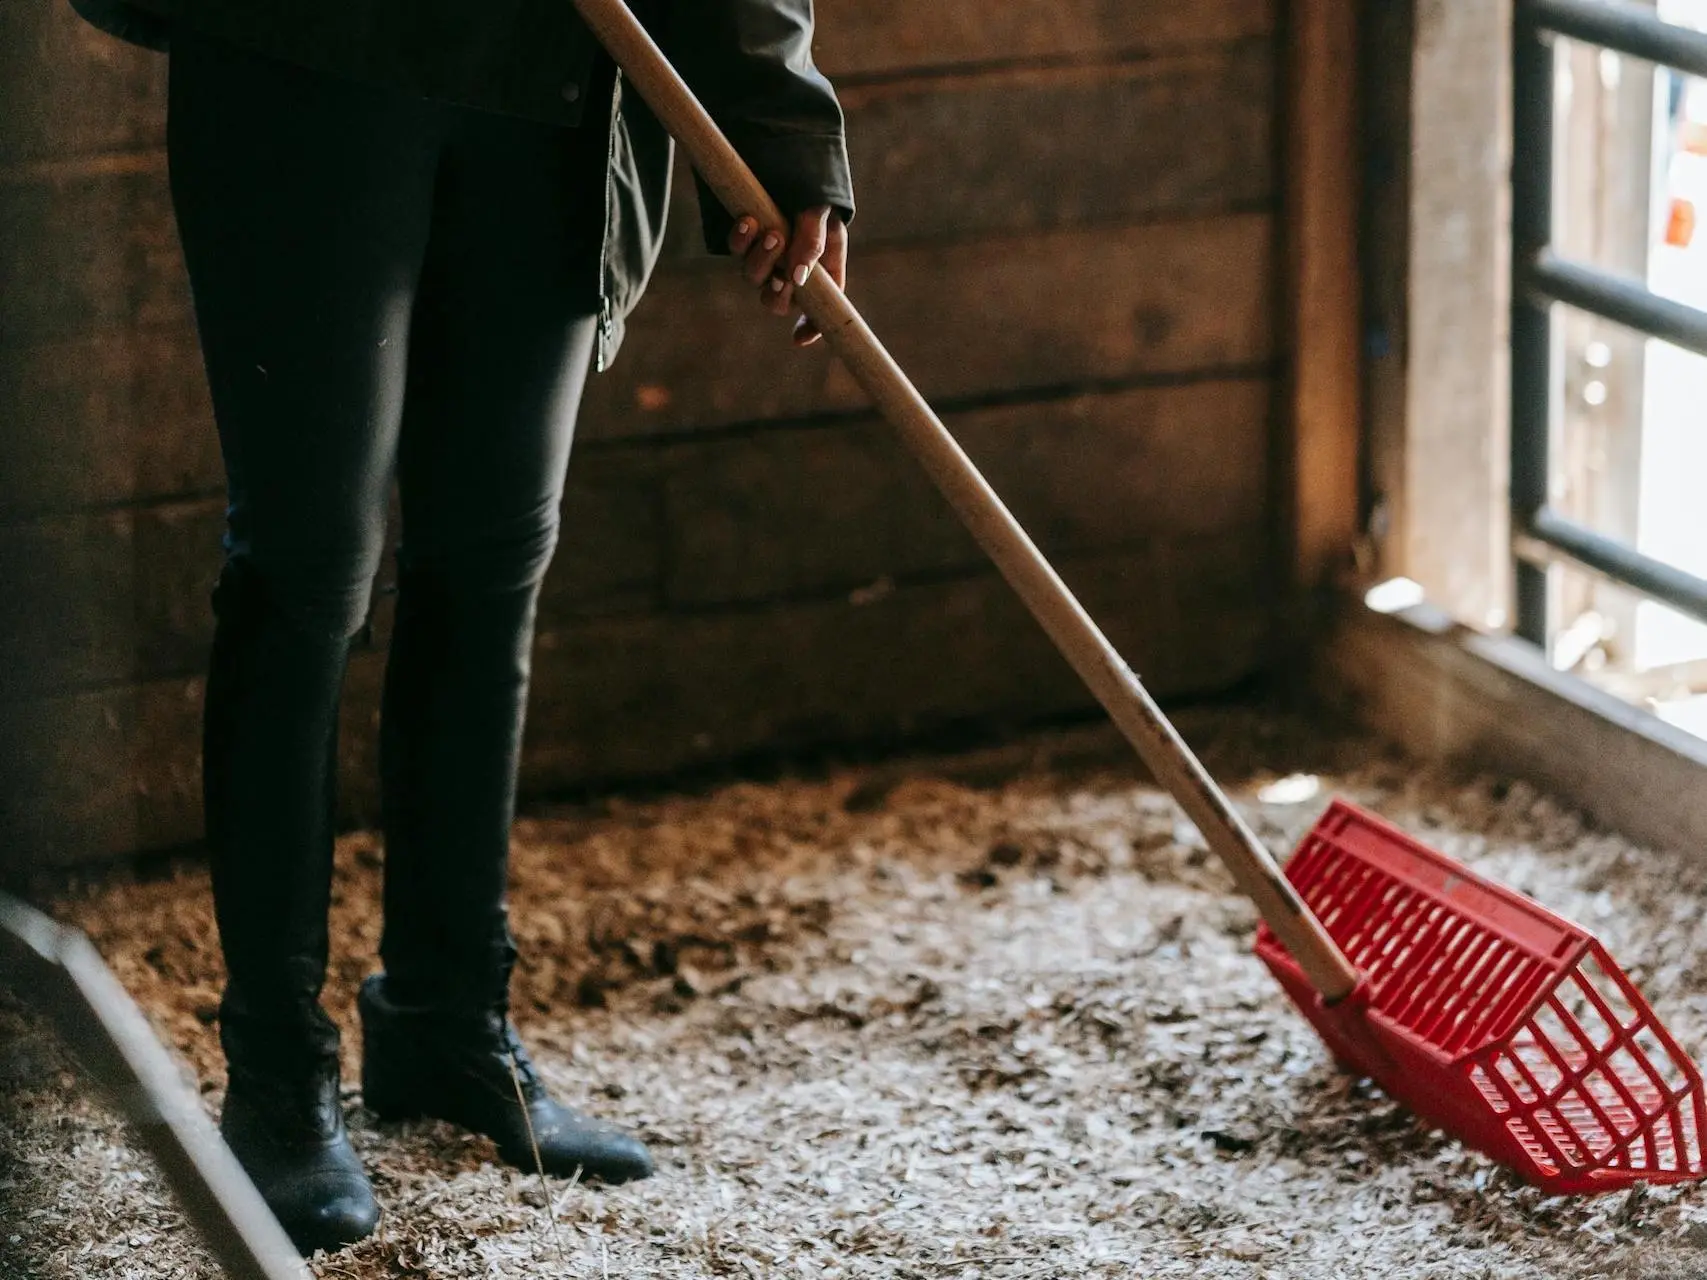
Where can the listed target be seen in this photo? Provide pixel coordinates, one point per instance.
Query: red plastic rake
(1487, 1015)
(1490, 1016)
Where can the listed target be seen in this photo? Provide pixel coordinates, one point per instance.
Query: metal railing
(1542, 536)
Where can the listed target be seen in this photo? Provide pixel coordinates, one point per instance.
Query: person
(411, 228)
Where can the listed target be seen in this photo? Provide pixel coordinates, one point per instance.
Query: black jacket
(749, 61)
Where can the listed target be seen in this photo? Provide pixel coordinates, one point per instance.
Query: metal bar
(1622, 27)
(1533, 346)
(1552, 538)
(57, 972)
(1616, 298)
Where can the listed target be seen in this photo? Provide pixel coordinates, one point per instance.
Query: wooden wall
(1067, 235)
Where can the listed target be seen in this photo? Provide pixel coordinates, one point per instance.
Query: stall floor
(943, 1019)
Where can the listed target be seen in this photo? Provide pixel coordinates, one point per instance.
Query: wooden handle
(982, 511)
(58, 972)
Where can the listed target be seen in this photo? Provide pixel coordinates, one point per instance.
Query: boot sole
(390, 1111)
(307, 1242)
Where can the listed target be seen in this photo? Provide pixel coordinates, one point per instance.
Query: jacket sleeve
(750, 63)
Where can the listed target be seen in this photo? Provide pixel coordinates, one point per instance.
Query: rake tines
(1491, 1016)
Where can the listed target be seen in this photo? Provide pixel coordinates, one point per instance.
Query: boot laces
(513, 1051)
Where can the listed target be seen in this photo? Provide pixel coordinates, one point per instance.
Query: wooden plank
(950, 158)
(70, 90)
(613, 551)
(109, 772)
(89, 253)
(114, 407)
(1004, 316)
(1321, 213)
(123, 595)
(101, 402)
(101, 774)
(1451, 531)
(120, 415)
(114, 771)
(1442, 691)
(1026, 150)
(75, 92)
(867, 37)
(786, 512)
(1386, 75)
(1054, 309)
(96, 248)
(688, 692)
(1437, 296)
(106, 596)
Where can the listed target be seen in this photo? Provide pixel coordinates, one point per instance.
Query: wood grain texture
(109, 772)
(1451, 525)
(68, 90)
(790, 512)
(92, 249)
(952, 157)
(988, 316)
(105, 597)
(1322, 286)
(1066, 237)
(1029, 150)
(866, 37)
(117, 416)
(87, 253)
(101, 774)
(71, 91)
(105, 773)
(1490, 703)
(1388, 75)
(1051, 309)
(122, 595)
(881, 667)
(106, 401)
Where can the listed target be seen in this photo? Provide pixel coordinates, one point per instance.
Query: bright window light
(1297, 788)
(1394, 595)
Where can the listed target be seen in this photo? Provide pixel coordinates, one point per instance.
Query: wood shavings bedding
(882, 1024)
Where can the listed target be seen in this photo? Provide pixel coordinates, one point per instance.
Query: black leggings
(385, 289)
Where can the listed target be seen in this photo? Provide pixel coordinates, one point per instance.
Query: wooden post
(1436, 261)
(1323, 412)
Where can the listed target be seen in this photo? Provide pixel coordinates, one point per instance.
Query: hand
(820, 242)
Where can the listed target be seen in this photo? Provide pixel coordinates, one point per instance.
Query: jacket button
(571, 92)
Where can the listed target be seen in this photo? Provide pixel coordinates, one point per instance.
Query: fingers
(761, 248)
(811, 233)
(780, 265)
(742, 235)
(833, 263)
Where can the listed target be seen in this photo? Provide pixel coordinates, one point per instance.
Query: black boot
(270, 775)
(457, 1066)
(287, 1131)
